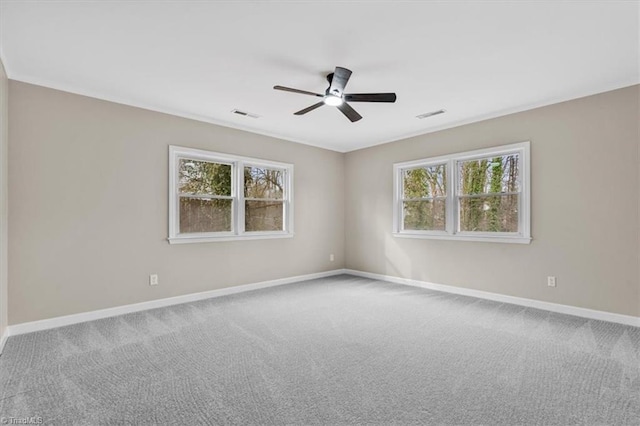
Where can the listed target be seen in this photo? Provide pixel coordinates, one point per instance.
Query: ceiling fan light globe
(332, 100)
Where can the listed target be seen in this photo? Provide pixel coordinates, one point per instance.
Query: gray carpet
(341, 350)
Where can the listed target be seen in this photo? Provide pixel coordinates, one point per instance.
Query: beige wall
(4, 144)
(88, 207)
(88, 196)
(585, 200)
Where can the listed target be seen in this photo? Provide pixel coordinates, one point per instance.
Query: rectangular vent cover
(431, 114)
(245, 113)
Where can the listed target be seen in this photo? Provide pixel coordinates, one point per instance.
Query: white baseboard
(3, 339)
(530, 303)
(46, 324)
(29, 327)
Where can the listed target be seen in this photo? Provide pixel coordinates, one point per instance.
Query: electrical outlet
(153, 279)
(331, 257)
(551, 281)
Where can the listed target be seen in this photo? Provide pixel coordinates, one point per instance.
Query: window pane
(263, 215)
(489, 175)
(260, 182)
(424, 215)
(202, 177)
(205, 215)
(425, 182)
(494, 213)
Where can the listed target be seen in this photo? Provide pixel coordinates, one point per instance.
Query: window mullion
(439, 197)
(520, 209)
(399, 203)
(207, 196)
(275, 200)
(452, 181)
(175, 195)
(289, 198)
(239, 198)
(285, 203)
(486, 194)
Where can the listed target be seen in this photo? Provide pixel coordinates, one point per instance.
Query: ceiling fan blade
(339, 80)
(370, 97)
(351, 113)
(311, 108)
(303, 92)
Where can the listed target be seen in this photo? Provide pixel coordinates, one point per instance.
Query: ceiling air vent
(431, 114)
(245, 113)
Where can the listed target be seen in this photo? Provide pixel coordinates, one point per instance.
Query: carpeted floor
(341, 350)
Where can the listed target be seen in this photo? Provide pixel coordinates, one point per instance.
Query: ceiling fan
(335, 96)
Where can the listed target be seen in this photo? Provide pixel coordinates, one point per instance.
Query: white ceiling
(203, 59)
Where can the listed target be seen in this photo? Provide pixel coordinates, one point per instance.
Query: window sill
(460, 237)
(245, 237)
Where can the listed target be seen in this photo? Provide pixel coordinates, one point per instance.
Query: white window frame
(176, 153)
(523, 236)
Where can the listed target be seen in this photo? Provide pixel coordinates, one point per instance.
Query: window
(424, 201)
(220, 197)
(474, 196)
